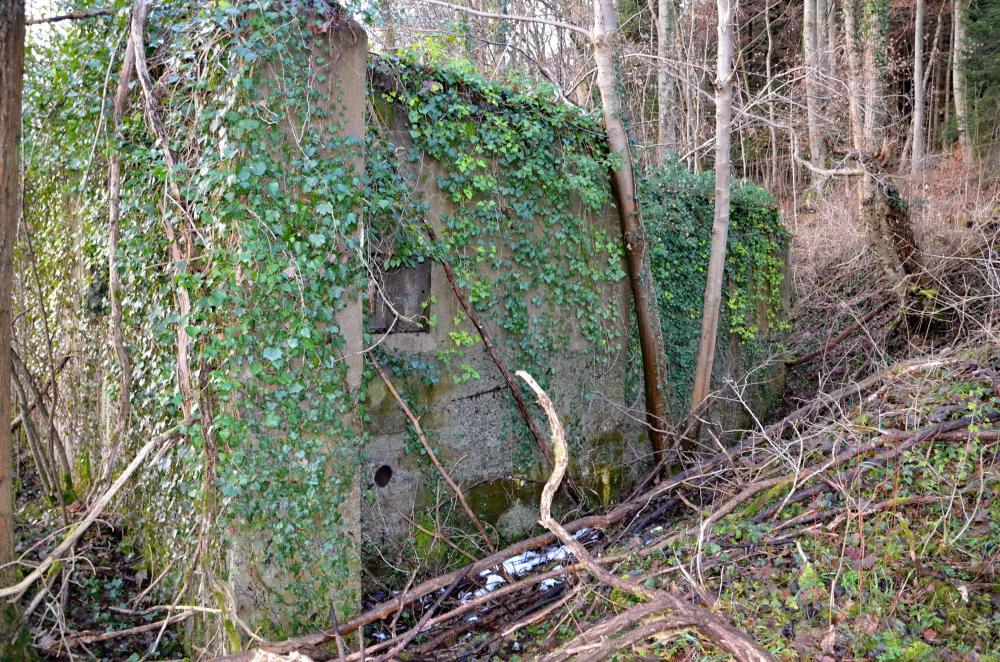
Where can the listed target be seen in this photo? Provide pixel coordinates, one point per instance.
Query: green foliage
(678, 208)
(525, 179)
(270, 209)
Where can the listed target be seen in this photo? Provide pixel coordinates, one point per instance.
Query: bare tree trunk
(772, 124)
(666, 26)
(633, 230)
(932, 78)
(876, 14)
(853, 73)
(810, 57)
(832, 40)
(917, 135)
(822, 58)
(720, 225)
(959, 17)
(11, 82)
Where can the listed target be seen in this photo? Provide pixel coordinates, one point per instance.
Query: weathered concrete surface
(339, 60)
(474, 426)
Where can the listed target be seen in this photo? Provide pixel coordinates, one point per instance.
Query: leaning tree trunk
(887, 219)
(11, 81)
(958, 78)
(917, 135)
(633, 230)
(720, 225)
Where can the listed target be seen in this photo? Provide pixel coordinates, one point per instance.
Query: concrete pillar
(262, 590)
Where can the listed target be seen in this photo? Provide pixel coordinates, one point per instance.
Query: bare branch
(511, 17)
(73, 16)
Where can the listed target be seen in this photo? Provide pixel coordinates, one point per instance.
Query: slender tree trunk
(932, 78)
(853, 73)
(720, 224)
(822, 58)
(935, 107)
(633, 230)
(11, 82)
(832, 40)
(666, 25)
(811, 59)
(917, 135)
(960, 16)
(949, 67)
(772, 125)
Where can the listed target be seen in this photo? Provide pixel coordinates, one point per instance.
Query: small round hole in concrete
(383, 475)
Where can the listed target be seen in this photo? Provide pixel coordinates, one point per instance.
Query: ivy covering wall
(678, 207)
(524, 179)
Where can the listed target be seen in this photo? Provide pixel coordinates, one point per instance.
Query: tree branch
(510, 17)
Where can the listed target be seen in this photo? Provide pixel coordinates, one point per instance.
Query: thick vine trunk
(720, 224)
(917, 134)
(633, 230)
(958, 79)
(11, 82)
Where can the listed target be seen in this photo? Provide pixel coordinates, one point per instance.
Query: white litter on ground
(521, 564)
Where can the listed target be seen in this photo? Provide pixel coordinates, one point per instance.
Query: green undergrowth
(899, 562)
(678, 207)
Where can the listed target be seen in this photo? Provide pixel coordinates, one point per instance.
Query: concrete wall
(339, 58)
(473, 424)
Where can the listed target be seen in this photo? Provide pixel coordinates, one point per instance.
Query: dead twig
(159, 443)
(682, 614)
(415, 422)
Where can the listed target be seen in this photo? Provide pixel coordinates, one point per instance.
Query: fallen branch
(841, 337)
(715, 628)
(474, 317)
(415, 422)
(73, 16)
(95, 637)
(617, 514)
(17, 590)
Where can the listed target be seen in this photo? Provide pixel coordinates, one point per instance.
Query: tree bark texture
(11, 82)
(917, 135)
(812, 62)
(666, 103)
(633, 230)
(720, 224)
(958, 79)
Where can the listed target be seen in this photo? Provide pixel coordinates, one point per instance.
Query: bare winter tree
(720, 224)
(11, 82)
(917, 135)
(666, 27)
(811, 45)
(633, 230)
(958, 78)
